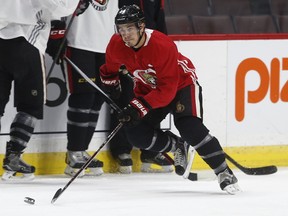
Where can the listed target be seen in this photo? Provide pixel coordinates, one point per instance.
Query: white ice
(141, 194)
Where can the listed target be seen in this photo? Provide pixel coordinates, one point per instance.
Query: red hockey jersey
(159, 69)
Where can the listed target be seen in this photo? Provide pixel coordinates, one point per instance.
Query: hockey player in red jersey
(164, 82)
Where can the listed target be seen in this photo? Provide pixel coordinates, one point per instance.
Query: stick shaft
(107, 98)
(108, 139)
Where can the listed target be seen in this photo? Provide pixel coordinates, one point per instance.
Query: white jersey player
(87, 40)
(24, 32)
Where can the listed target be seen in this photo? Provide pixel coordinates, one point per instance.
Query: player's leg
(78, 126)
(146, 136)
(5, 78)
(95, 167)
(188, 120)
(20, 132)
(29, 76)
(120, 149)
(119, 146)
(155, 162)
(83, 112)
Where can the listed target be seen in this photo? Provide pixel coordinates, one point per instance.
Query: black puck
(29, 200)
(193, 177)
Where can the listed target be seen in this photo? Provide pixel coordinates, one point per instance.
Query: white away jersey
(31, 19)
(93, 29)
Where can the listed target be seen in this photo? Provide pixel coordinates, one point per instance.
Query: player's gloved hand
(57, 33)
(111, 83)
(134, 112)
(82, 7)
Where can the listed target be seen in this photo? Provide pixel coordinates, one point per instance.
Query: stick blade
(56, 195)
(267, 170)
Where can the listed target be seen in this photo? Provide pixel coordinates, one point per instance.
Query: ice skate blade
(10, 176)
(125, 169)
(153, 168)
(72, 171)
(89, 172)
(232, 189)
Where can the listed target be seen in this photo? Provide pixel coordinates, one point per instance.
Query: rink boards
(245, 93)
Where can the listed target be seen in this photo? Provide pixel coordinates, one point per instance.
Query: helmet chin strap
(139, 38)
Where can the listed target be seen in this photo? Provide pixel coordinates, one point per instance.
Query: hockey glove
(58, 28)
(82, 7)
(134, 112)
(111, 83)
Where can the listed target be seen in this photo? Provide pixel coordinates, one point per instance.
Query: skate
(228, 182)
(157, 164)
(180, 157)
(76, 159)
(124, 163)
(16, 169)
(180, 153)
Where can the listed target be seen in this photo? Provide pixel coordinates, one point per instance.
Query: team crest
(100, 5)
(179, 107)
(147, 76)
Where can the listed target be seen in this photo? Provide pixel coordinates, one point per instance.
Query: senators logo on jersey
(147, 76)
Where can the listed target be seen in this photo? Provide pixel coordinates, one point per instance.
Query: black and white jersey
(31, 19)
(93, 29)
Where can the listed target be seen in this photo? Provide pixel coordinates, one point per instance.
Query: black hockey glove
(134, 112)
(82, 6)
(110, 83)
(57, 33)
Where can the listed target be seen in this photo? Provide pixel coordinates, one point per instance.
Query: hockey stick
(187, 174)
(190, 176)
(60, 191)
(266, 170)
(107, 98)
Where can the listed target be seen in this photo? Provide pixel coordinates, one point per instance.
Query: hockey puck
(29, 200)
(193, 177)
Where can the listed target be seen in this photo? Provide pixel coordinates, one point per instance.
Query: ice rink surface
(142, 194)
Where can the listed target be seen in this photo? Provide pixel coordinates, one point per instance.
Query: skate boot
(95, 168)
(76, 159)
(13, 164)
(180, 157)
(156, 164)
(180, 153)
(124, 163)
(228, 182)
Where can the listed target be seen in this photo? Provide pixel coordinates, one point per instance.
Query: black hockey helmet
(129, 14)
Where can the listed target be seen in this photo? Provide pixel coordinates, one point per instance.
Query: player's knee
(140, 137)
(36, 111)
(81, 100)
(191, 129)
